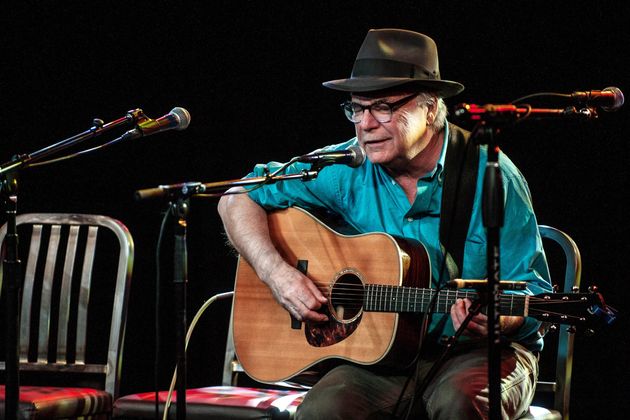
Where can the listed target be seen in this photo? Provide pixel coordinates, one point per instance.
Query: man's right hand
(296, 293)
(246, 225)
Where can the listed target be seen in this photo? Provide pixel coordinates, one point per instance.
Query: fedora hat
(395, 57)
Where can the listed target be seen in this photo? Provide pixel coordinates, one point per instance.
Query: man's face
(396, 142)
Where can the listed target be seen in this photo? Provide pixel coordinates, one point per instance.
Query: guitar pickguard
(323, 334)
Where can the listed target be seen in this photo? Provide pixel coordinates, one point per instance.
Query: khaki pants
(458, 391)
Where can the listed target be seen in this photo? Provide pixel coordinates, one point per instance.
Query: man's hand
(246, 225)
(478, 325)
(296, 293)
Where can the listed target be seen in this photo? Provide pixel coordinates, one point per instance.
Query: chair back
(561, 385)
(75, 292)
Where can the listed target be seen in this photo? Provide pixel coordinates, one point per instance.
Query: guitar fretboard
(383, 298)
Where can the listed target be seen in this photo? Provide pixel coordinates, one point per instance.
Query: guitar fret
(448, 297)
(395, 298)
(383, 297)
(371, 299)
(415, 301)
(395, 291)
(386, 298)
(392, 298)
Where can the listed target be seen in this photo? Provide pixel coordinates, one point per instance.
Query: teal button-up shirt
(370, 200)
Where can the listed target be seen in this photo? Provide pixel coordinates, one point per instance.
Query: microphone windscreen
(183, 116)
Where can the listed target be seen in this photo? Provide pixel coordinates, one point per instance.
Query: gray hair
(442, 111)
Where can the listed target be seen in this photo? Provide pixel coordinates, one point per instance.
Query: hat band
(377, 67)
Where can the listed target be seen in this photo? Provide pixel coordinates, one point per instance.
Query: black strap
(461, 166)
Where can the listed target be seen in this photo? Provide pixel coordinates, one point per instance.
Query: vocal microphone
(609, 99)
(177, 119)
(480, 284)
(354, 157)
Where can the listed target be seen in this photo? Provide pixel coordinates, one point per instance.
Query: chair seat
(49, 402)
(216, 402)
(540, 413)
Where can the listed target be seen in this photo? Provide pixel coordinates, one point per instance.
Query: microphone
(354, 157)
(480, 284)
(609, 99)
(177, 119)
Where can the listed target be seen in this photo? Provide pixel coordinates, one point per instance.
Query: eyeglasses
(382, 111)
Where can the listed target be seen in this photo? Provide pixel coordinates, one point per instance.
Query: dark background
(250, 74)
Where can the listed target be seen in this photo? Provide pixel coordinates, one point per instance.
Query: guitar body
(272, 347)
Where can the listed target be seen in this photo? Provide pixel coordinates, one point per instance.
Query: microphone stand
(490, 119)
(178, 196)
(492, 214)
(11, 262)
(179, 210)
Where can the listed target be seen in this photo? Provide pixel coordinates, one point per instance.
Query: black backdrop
(250, 74)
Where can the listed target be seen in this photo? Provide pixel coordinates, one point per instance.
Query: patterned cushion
(40, 402)
(216, 402)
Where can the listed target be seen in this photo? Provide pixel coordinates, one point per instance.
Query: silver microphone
(177, 119)
(354, 156)
(609, 99)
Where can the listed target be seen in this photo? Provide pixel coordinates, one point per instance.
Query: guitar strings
(354, 296)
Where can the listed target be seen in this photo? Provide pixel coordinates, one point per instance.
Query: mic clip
(171, 192)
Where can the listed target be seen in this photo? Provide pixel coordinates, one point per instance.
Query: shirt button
(410, 219)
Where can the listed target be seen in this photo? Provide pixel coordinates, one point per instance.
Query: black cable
(76, 154)
(535, 95)
(156, 361)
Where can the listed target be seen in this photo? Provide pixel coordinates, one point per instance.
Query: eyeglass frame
(393, 106)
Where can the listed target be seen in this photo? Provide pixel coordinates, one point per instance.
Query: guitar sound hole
(346, 297)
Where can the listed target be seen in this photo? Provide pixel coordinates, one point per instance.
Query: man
(400, 121)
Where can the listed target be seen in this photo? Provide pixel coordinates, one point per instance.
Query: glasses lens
(381, 111)
(353, 111)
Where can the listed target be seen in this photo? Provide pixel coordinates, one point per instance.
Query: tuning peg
(592, 289)
(571, 329)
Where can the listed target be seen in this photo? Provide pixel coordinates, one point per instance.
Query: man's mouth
(375, 141)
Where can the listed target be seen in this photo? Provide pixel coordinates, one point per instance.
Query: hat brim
(443, 88)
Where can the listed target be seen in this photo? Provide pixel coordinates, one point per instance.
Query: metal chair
(559, 387)
(73, 314)
(215, 402)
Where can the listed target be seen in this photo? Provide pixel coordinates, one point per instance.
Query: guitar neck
(383, 298)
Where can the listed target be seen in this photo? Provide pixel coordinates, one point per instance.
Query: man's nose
(368, 121)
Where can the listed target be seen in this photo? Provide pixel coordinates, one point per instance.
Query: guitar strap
(461, 165)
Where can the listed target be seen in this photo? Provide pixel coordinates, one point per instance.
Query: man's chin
(379, 156)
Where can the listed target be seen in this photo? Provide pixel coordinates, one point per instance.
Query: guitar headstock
(582, 311)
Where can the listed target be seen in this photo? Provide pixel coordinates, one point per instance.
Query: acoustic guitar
(377, 288)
